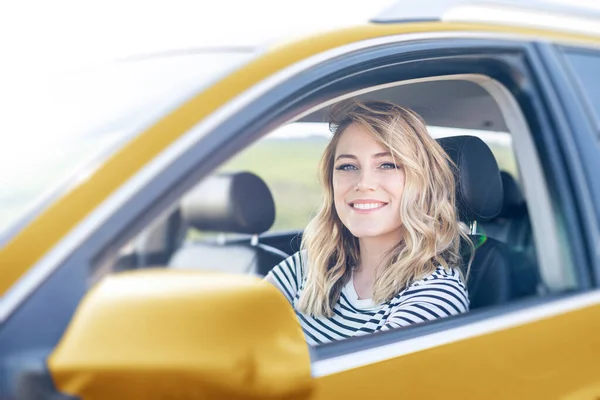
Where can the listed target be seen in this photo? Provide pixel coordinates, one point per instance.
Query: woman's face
(367, 186)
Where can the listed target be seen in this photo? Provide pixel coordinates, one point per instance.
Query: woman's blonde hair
(432, 231)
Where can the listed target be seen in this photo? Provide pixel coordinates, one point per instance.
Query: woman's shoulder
(444, 273)
(442, 278)
(288, 275)
(297, 262)
(300, 257)
(444, 288)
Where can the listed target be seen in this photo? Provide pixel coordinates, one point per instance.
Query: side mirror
(166, 334)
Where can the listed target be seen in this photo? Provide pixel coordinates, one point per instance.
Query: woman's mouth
(367, 205)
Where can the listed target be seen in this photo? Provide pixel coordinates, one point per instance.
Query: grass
(289, 167)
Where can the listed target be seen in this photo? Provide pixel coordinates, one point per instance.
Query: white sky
(306, 129)
(59, 32)
(51, 33)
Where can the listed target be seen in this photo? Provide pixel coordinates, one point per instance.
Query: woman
(383, 250)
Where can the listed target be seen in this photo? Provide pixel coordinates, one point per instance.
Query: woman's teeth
(368, 206)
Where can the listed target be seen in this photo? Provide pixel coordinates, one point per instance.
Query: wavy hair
(432, 232)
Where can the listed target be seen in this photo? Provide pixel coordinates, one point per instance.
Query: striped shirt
(438, 295)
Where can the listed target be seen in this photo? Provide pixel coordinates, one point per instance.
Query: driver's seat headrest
(479, 192)
(230, 202)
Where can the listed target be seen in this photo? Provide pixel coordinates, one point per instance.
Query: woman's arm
(428, 301)
(286, 276)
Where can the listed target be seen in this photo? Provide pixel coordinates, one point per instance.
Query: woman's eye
(346, 167)
(389, 166)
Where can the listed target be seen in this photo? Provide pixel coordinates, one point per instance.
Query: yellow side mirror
(175, 334)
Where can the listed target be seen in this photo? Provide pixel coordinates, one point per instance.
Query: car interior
(234, 211)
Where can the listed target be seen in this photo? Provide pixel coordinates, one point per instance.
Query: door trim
(360, 358)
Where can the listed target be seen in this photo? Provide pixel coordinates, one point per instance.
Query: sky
(58, 32)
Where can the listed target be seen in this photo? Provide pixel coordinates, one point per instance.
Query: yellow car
(193, 173)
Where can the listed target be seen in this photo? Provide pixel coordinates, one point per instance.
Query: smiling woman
(383, 250)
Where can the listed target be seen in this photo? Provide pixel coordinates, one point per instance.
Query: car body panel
(549, 358)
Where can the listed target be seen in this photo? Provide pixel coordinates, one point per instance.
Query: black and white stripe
(438, 295)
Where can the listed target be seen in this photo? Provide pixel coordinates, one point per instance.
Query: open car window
(287, 159)
(197, 233)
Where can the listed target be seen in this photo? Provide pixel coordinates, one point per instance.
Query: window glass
(500, 143)
(584, 66)
(287, 161)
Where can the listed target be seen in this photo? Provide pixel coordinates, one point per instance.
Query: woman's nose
(367, 181)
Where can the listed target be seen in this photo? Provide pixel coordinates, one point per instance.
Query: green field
(289, 167)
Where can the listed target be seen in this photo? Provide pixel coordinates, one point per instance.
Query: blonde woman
(383, 250)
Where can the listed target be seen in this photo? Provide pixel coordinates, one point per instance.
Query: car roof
(575, 16)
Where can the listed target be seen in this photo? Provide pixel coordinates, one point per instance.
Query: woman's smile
(367, 206)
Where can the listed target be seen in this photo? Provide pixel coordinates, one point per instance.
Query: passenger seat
(479, 197)
(234, 203)
(512, 226)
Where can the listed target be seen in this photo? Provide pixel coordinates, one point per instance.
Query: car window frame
(199, 171)
(577, 83)
(524, 46)
(578, 139)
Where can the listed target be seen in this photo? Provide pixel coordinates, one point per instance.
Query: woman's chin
(368, 233)
(373, 232)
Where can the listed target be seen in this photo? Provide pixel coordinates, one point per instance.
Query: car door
(539, 349)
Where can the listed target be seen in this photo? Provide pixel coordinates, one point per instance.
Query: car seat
(479, 197)
(238, 203)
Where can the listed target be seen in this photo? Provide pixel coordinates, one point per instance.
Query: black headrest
(479, 194)
(235, 202)
(514, 202)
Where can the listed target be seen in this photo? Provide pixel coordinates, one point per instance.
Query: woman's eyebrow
(376, 155)
(382, 154)
(346, 156)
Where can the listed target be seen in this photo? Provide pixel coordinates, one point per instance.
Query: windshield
(51, 128)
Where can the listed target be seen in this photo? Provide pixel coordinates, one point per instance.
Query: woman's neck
(372, 252)
(373, 249)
